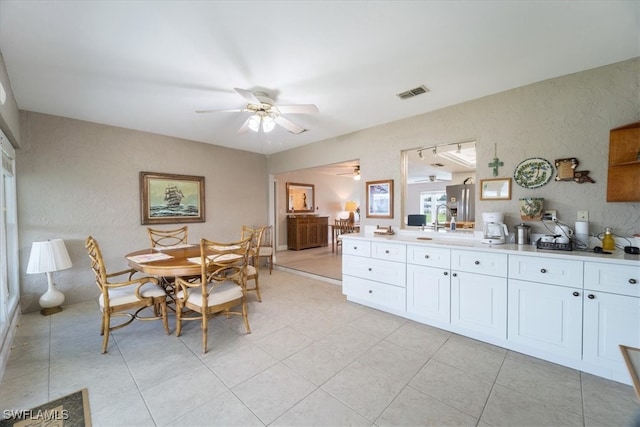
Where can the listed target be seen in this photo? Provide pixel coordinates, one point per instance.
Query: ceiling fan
(431, 178)
(265, 114)
(355, 173)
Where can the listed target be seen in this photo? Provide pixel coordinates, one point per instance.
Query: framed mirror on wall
(300, 197)
(495, 189)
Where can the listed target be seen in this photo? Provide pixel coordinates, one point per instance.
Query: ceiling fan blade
(298, 109)
(235, 110)
(245, 127)
(248, 95)
(289, 125)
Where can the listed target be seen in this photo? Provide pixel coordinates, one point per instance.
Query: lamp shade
(351, 206)
(48, 256)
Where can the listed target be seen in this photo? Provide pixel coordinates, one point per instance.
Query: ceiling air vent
(413, 92)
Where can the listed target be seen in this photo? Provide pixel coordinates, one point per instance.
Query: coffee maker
(495, 230)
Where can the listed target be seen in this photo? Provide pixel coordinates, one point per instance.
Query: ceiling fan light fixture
(268, 124)
(254, 123)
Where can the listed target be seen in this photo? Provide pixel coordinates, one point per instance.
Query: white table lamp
(47, 257)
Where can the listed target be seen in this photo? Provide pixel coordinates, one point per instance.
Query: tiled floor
(312, 359)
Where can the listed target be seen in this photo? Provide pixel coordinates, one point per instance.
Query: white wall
(569, 116)
(77, 179)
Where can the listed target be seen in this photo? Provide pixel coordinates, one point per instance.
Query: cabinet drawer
(356, 247)
(429, 256)
(390, 272)
(374, 293)
(479, 262)
(556, 271)
(389, 251)
(617, 279)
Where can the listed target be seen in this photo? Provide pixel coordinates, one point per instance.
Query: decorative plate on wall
(533, 173)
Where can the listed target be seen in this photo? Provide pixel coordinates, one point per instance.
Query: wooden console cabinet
(307, 231)
(624, 164)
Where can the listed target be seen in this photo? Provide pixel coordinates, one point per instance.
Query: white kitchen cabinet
(479, 303)
(610, 318)
(374, 274)
(546, 318)
(545, 304)
(428, 283)
(479, 292)
(429, 293)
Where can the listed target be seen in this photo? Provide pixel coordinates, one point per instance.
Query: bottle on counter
(608, 243)
(452, 224)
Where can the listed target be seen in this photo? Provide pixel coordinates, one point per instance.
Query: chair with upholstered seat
(220, 289)
(253, 270)
(167, 238)
(120, 297)
(266, 247)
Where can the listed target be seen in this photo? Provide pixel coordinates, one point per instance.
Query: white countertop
(468, 241)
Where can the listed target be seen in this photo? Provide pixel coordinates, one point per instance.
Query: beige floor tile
(125, 409)
(225, 410)
(351, 340)
(607, 401)
(239, 365)
(273, 392)
(414, 408)
(563, 391)
(394, 360)
(422, 339)
(364, 389)
(284, 342)
(507, 407)
(468, 356)
(318, 362)
(321, 409)
(456, 388)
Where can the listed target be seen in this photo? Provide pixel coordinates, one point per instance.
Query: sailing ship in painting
(173, 196)
(172, 205)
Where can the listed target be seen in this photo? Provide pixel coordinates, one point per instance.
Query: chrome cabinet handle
(445, 273)
(543, 270)
(370, 291)
(576, 294)
(477, 262)
(633, 281)
(591, 296)
(370, 269)
(426, 257)
(386, 252)
(454, 274)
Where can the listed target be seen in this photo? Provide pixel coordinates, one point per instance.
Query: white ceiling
(148, 65)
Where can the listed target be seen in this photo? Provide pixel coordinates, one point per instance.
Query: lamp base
(50, 310)
(352, 218)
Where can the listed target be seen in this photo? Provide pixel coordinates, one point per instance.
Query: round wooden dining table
(166, 262)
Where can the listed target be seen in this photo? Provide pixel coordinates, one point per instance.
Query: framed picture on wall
(169, 199)
(380, 199)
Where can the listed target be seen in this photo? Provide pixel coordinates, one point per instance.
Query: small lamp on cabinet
(47, 257)
(351, 208)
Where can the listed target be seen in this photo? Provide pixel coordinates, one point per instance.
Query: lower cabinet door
(479, 303)
(546, 317)
(429, 292)
(374, 293)
(610, 320)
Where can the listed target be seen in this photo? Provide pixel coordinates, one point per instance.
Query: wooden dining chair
(220, 289)
(266, 247)
(253, 267)
(119, 297)
(342, 226)
(166, 238)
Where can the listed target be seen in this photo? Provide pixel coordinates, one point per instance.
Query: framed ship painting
(169, 199)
